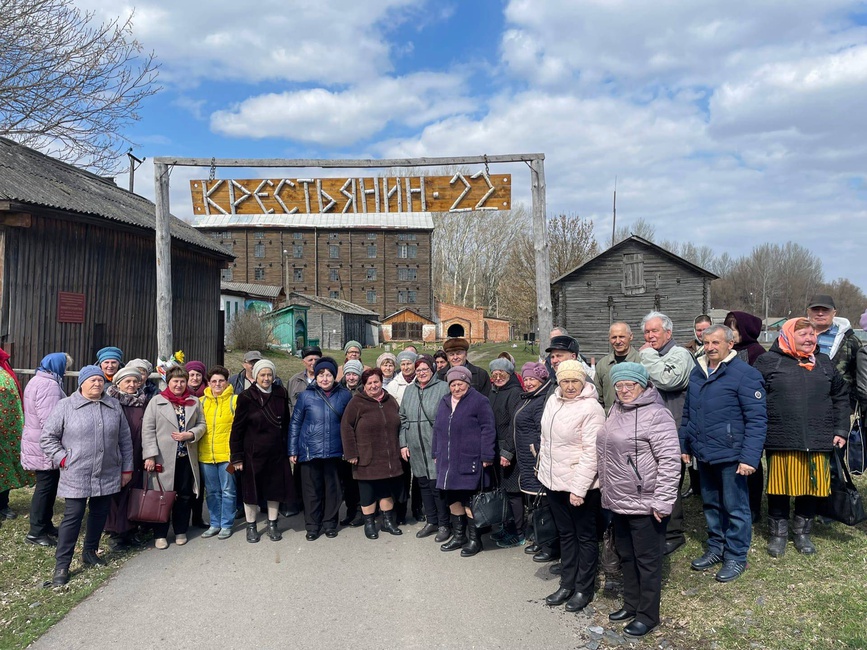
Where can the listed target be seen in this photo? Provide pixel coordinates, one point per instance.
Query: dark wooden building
(624, 283)
(333, 322)
(379, 260)
(78, 267)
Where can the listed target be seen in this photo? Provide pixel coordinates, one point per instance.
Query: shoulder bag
(544, 528)
(855, 447)
(150, 505)
(489, 508)
(844, 504)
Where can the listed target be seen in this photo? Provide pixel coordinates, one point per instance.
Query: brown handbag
(150, 505)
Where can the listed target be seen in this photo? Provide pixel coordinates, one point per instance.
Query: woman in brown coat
(370, 431)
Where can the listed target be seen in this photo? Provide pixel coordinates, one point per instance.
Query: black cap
(307, 350)
(821, 300)
(563, 343)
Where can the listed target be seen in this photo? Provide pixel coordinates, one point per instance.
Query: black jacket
(527, 431)
(504, 402)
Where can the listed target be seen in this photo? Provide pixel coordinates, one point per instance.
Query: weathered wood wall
(334, 329)
(593, 297)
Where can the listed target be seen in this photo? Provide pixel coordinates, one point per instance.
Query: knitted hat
(198, 366)
(628, 371)
(311, 349)
(453, 345)
(459, 372)
(125, 372)
(351, 344)
(534, 369)
(407, 355)
(325, 363)
(109, 353)
(139, 364)
(261, 364)
(571, 369)
(385, 356)
(87, 372)
(427, 360)
(501, 364)
(354, 366)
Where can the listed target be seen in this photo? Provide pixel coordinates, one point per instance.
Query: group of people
(605, 448)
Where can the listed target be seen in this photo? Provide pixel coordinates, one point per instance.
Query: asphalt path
(331, 593)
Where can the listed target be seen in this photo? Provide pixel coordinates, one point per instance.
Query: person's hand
(657, 516)
(294, 459)
(239, 467)
(575, 500)
(486, 463)
(504, 462)
(404, 453)
(352, 461)
(686, 458)
(744, 469)
(645, 346)
(839, 441)
(150, 464)
(177, 436)
(125, 478)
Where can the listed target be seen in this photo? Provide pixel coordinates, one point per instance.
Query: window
(633, 274)
(297, 251)
(371, 296)
(334, 252)
(407, 274)
(333, 275)
(334, 294)
(406, 236)
(407, 251)
(371, 235)
(259, 274)
(226, 275)
(298, 274)
(371, 250)
(260, 234)
(259, 250)
(334, 235)
(406, 331)
(297, 235)
(371, 274)
(404, 297)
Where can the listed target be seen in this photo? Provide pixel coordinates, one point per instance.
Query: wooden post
(164, 261)
(544, 314)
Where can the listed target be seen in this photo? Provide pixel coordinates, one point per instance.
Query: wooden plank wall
(115, 270)
(589, 300)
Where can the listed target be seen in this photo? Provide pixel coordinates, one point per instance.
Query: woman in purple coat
(464, 437)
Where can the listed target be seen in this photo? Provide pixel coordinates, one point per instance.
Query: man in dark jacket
(300, 381)
(724, 425)
(456, 351)
(835, 338)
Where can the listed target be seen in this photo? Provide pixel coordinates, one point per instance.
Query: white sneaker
(180, 540)
(161, 543)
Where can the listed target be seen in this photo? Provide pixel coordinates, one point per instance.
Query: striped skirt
(799, 473)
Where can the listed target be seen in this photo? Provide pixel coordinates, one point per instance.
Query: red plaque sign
(70, 307)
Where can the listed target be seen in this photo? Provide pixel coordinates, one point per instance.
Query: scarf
(184, 400)
(137, 398)
(4, 363)
(198, 391)
(787, 345)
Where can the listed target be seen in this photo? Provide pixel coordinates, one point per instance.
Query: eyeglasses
(625, 386)
(499, 374)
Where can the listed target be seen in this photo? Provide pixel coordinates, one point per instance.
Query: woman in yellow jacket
(218, 404)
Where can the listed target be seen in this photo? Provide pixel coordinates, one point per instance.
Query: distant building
(237, 297)
(471, 324)
(332, 322)
(408, 325)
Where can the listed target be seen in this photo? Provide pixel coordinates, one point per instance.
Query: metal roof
(390, 220)
(263, 290)
(343, 306)
(30, 177)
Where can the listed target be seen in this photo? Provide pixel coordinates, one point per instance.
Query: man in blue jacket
(724, 426)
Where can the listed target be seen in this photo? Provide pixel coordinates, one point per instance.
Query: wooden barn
(624, 283)
(78, 267)
(333, 322)
(408, 325)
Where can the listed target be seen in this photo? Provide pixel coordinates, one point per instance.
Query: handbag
(855, 448)
(844, 504)
(489, 508)
(151, 506)
(544, 528)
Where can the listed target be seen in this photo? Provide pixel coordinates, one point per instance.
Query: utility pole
(614, 220)
(132, 167)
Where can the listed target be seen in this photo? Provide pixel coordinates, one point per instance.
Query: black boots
(252, 533)
(778, 535)
(426, 531)
(801, 529)
(474, 541)
(459, 526)
(90, 558)
(443, 534)
(61, 576)
(370, 526)
(388, 523)
(273, 534)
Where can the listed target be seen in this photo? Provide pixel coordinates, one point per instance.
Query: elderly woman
(12, 475)
(351, 381)
(463, 442)
(567, 469)
(370, 430)
(109, 360)
(351, 352)
(197, 371)
(406, 362)
(417, 412)
(505, 397)
(41, 395)
(258, 444)
(145, 368)
(126, 389)
(316, 447)
(351, 378)
(387, 363)
(638, 455)
(218, 405)
(87, 437)
(808, 415)
(172, 426)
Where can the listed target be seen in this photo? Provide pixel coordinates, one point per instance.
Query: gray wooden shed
(624, 283)
(334, 322)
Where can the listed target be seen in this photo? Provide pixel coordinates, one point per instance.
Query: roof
(30, 177)
(411, 311)
(260, 290)
(774, 321)
(343, 306)
(388, 221)
(649, 244)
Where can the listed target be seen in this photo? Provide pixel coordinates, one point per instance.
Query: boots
(459, 526)
(474, 541)
(252, 533)
(801, 528)
(370, 526)
(273, 534)
(388, 524)
(778, 531)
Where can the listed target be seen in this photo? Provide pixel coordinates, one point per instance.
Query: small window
(371, 250)
(260, 234)
(298, 251)
(259, 250)
(334, 252)
(228, 312)
(407, 236)
(259, 274)
(407, 274)
(633, 283)
(404, 297)
(334, 294)
(298, 274)
(334, 235)
(371, 296)
(371, 274)
(297, 235)
(371, 235)
(333, 275)
(226, 275)
(407, 251)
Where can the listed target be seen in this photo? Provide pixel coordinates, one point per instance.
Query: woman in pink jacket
(639, 471)
(567, 468)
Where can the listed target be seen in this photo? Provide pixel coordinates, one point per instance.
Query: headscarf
(749, 327)
(55, 363)
(787, 345)
(4, 363)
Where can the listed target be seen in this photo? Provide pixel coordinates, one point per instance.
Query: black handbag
(489, 508)
(544, 528)
(855, 448)
(844, 504)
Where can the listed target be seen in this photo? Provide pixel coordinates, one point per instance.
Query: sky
(725, 124)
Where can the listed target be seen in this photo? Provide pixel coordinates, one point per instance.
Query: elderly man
(560, 332)
(836, 339)
(299, 381)
(724, 425)
(620, 339)
(699, 325)
(456, 352)
(668, 366)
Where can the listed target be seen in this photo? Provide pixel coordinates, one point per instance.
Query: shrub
(249, 331)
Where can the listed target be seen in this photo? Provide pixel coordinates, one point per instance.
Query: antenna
(614, 220)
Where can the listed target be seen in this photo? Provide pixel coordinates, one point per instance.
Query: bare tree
(849, 299)
(640, 227)
(69, 86)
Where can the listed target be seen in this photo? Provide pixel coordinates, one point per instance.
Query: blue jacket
(725, 416)
(314, 431)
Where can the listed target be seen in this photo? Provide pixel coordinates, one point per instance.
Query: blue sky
(726, 124)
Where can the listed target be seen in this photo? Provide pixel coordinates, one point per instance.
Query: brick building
(381, 261)
(471, 323)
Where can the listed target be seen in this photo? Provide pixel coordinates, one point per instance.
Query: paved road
(336, 593)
